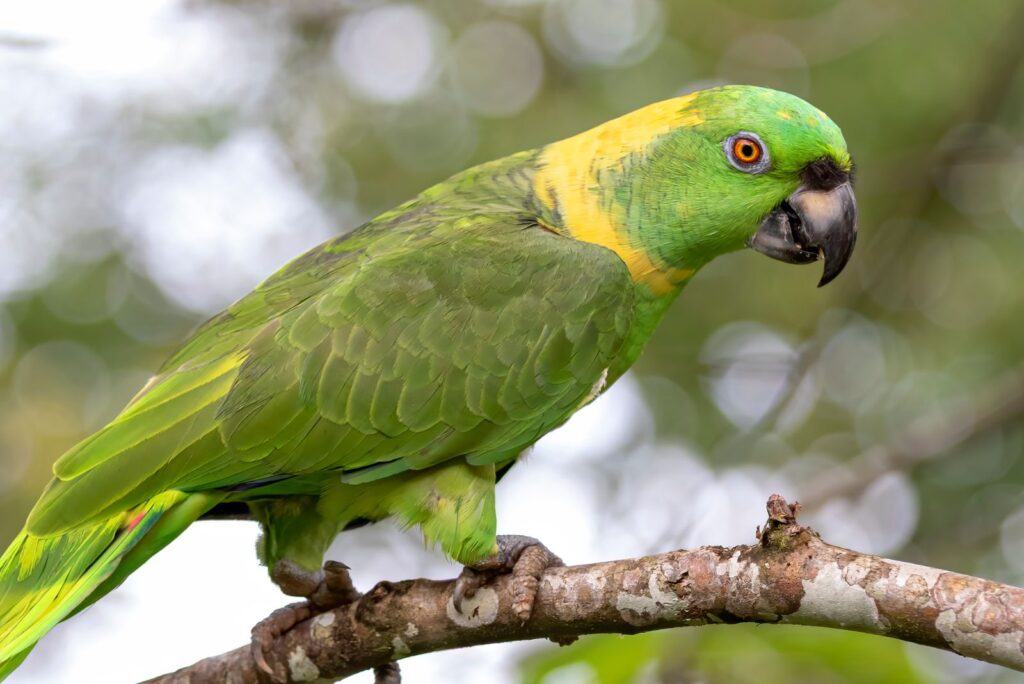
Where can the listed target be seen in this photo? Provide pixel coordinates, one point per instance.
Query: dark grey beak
(811, 225)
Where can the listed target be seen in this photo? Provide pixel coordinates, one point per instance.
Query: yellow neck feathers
(569, 181)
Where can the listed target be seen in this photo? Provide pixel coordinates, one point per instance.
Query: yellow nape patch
(569, 178)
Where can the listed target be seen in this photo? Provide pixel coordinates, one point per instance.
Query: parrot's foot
(525, 557)
(323, 590)
(270, 628)
(329, 587)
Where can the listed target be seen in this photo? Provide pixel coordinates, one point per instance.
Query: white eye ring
(759, 165)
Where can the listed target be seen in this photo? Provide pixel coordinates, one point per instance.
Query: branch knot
(782, 532)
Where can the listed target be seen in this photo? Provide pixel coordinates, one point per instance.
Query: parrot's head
(771, 170)
(675, 184)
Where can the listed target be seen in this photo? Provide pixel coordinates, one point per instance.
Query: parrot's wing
(473, 342)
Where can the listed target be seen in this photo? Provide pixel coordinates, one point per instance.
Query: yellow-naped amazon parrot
(399, 369)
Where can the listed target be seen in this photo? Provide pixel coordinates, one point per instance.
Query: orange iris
(746, 150)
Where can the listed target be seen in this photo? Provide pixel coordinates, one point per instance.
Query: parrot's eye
(746, 152)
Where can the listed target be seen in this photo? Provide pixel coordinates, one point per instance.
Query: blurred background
(160, 157)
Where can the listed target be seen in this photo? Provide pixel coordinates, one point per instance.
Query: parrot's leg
(295, 538)
(525, 557)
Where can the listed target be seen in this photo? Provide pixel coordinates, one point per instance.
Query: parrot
(400, 369)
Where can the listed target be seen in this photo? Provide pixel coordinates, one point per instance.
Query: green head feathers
(675, 184)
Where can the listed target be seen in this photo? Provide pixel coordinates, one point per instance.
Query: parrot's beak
(811, 225)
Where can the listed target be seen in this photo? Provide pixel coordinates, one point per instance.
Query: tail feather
(44, 579)
(11, 664)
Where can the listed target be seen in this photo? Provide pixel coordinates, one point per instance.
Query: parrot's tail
(45, 579)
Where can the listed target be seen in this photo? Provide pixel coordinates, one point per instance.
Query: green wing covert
(368, 357)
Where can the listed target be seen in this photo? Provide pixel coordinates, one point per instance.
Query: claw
(324, 590)
(525, 557)
(269, 629)
(335, 589)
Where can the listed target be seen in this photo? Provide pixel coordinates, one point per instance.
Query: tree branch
(789, 576)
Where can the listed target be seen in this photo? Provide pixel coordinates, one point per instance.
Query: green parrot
(400, 369)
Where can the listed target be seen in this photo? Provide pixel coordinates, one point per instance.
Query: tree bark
(789, 576)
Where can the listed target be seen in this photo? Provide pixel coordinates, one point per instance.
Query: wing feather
(368, 362)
